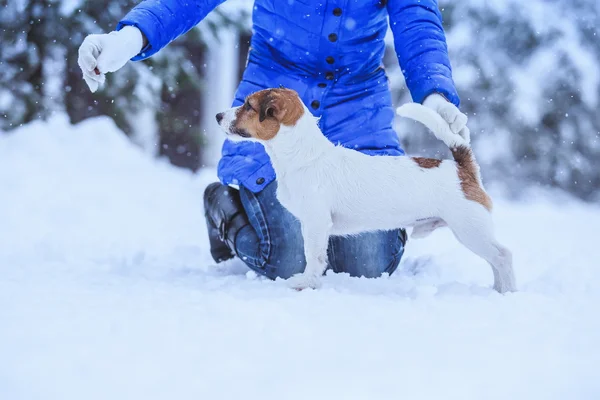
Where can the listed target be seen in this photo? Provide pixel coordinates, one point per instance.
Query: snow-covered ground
(107, 291)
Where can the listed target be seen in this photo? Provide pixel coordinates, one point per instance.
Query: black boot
(225, 216)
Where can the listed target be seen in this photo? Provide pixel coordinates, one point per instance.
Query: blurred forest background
(527, 74)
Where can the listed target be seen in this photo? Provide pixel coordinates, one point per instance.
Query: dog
(333, 190)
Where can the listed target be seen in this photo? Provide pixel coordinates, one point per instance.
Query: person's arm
(146, 29)
(420, 44)
(162, 21)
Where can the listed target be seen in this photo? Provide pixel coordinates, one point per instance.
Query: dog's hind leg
(424, 229)
(474, 229)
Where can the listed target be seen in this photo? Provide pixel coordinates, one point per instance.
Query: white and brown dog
(333, 190)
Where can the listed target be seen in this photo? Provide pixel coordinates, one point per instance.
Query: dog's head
(262, 115)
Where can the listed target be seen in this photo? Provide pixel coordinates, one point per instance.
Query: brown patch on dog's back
(427, 162)
(468, 173)
(268, 110)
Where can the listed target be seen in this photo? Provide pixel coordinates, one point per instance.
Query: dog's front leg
(315, 232)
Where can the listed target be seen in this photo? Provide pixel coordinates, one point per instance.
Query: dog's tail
(458, 143)
(435, 123)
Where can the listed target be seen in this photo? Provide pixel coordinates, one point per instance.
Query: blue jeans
(272, 244)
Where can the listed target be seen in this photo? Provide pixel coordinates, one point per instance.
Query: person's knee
(273, 245)
(368, 255)
(286, 264)
(282, 262)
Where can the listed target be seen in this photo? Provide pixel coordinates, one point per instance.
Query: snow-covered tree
(25, 46)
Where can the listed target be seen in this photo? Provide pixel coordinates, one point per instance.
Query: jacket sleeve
(420, 44)
(163, 21)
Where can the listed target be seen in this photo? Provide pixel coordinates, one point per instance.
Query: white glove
(99, 54)
(456, 119)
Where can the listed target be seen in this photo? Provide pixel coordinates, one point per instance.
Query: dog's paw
(304, 281)
(503, 288)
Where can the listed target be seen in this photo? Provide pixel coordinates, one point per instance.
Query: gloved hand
(99, 54)
(448, 111)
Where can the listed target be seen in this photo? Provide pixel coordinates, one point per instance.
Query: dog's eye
(247, 106)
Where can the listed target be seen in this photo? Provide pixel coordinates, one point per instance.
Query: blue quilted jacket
(330, 52)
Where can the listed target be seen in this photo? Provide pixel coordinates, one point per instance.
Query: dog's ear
(269, 108)
(283, 105)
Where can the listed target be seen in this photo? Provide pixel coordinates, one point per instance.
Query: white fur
(333, 190)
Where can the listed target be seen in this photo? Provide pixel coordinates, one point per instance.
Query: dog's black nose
(219, 117)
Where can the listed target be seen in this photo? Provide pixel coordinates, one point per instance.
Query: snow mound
(107, 290)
